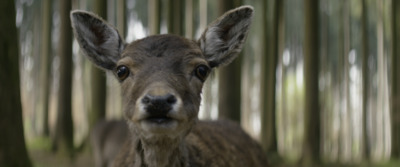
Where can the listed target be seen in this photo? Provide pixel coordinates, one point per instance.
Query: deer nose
(158, 105)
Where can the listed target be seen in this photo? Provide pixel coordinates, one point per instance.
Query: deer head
(162, 75)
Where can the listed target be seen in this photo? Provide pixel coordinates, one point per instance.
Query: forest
(316, 83)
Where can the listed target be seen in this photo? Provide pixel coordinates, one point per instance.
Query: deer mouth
(159, 119)
(158, 115)
(159, 123)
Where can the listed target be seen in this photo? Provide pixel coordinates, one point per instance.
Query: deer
(162, 78)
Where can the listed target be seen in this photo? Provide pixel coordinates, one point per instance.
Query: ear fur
(222, 41)
(100, 41)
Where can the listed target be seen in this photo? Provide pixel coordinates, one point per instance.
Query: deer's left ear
(223, 39)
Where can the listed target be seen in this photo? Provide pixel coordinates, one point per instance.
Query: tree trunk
(35, 73)
(12, 145)
(312, 115)
(121, 17)
(189, 19)
(229, 78)
(154, 14)
(365, 75)
(45, 64)
(395, 80)
(381, 149)
(98, 78)
(345, 150)
(268, 128)
(175, 17)
(63, 141)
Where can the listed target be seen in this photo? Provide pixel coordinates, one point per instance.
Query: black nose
(158, 105)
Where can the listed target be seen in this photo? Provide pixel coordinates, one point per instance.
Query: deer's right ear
(100, 41)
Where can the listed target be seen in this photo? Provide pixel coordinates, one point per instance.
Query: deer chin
(170, 126)
(158, 124)
(151, 130)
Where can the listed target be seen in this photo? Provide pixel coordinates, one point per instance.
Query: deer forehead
(166, 59)
(167, 53)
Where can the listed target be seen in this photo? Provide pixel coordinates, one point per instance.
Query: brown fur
(107, 138)
(210, 144)
(162, 82)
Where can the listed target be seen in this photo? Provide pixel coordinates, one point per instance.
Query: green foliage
(39, 143)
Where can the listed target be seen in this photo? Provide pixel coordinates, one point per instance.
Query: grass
(40, 153)
(39, 143)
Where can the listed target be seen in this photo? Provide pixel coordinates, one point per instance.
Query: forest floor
(41, 156)
(45, 158)
(392, 163)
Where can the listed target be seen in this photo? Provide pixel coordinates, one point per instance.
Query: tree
(189, 19)
(98, 78)
(344, 49)
(229, 78)
(395, 80)
(273, 28)
(175, 17)
(154, 13)
(12, 145)
(312, 115)
(365, 75)
(46, 64)
(121, 17)
(63, 139)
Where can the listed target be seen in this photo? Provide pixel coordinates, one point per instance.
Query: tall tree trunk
(345, 130)
(121, 17)
(98, 78)
(312, 115)
(229, 78)
(154, 14)
(189, 19)
(45, 64)
(395, 80)
(365, 53)
(35, 72)
(12, 144)
(63, 141)
(175, 17)
(268, 128)
(382, 147)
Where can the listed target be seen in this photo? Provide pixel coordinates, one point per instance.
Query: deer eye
(201, 72)
(122, 72)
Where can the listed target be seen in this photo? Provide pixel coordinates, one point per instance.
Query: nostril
(158, 106)
(146, 99)
(168, 99)
(171, 99)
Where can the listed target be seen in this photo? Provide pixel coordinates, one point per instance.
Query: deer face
(162, 76)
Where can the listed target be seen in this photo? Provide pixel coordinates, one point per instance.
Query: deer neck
(161, 153)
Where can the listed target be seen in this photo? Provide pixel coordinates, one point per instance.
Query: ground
(44, 158)
(40, 153)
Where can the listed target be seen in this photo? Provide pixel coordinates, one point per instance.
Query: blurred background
(316, 84)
